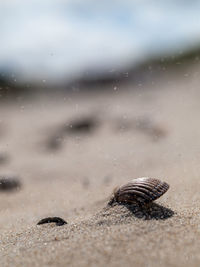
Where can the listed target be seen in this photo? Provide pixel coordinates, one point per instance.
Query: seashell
(142, 190)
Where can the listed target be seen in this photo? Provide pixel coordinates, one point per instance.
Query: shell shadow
(150, 211)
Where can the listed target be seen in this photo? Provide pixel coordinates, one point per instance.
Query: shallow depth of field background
(54, 44)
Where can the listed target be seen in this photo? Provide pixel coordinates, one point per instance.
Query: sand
(141, 130)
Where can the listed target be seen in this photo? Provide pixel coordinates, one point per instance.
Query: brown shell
(140, 190)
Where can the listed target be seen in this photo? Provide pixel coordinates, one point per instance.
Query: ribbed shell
(141, 190)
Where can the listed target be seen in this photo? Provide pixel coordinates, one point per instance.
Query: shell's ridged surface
(141, 190)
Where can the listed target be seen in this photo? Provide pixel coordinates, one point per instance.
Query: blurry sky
(58, 40)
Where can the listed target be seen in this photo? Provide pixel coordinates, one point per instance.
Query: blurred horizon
(61, 41)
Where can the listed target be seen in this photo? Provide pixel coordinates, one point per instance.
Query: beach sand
(132, 131)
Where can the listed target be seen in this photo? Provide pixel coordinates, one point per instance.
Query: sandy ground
(146, 130)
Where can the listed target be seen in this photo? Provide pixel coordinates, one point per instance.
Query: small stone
(9, 183)
(57, 220)
(82, 125)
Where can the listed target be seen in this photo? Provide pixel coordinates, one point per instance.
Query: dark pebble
(57, 220)
(144, 125)
(83, 125)
(9, 183)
